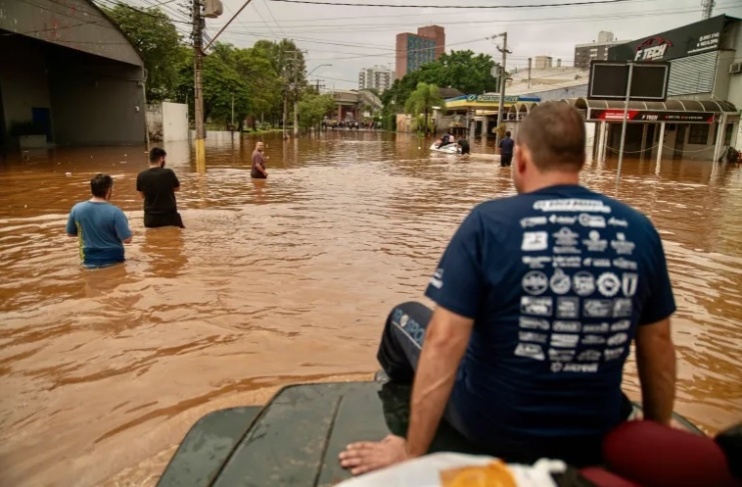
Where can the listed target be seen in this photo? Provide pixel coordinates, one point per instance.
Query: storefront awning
(677, 111)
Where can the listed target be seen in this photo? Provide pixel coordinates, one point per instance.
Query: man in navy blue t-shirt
(538, 298)
(100, 227)
(507, 146)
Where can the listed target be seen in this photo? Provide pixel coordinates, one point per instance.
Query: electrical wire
(516, 6)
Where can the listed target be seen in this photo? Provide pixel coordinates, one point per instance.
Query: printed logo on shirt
(529, 336)
(613, 353)
(593, 340)
(541, 306)
(589, 356)
(597, 308)
(536, 262)
(621, 245)
(533, 241)
(601, 328)
(583, 283)
(616, 222)
(530, 350)
(566, 262)
(625, 264)
(564, 341)
(437, 280)
(560, 283)
(592, 262)
(568, 308)
(561, 355)
(622, 308)
(629, 283)
(621, 325)
(591, 221)
(565, 237)
(532, 221)
(617, 339)
(585, 368)
(563, 219)
(572, 204)
(535, 282)
(608, 284)
(595, 243)
(567, 326)
(567, 250)
(534, 323)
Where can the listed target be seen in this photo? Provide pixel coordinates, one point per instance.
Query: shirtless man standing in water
(258, 163)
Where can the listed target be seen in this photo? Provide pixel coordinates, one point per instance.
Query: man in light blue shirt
(101, 228)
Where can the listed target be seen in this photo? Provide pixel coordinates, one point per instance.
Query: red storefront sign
(647, 116)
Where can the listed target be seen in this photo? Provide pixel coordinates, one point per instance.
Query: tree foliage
(154, 36)
(313, 107)
(463, 70)
(421, 102)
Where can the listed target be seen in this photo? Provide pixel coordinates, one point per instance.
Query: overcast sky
(351, 38)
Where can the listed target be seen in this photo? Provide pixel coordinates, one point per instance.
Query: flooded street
(284, 280)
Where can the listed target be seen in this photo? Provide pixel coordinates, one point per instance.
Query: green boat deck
(296, 438)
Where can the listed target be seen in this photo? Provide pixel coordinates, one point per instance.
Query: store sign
(649, 116)
(697, 38)
(491, 98)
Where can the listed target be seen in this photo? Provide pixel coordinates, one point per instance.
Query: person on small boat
(445, 140)
(539, 297)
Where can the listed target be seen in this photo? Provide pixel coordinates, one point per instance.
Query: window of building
(698, 134)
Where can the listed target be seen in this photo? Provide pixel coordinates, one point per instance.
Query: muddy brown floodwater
(280, 281)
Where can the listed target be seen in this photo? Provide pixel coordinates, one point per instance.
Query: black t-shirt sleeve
(176, 183)
(139, 182)
(660, 302)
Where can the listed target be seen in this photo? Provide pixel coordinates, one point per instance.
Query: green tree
(421, 102)
(313, 108)
(154, 36)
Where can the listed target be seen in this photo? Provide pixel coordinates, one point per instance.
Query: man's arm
(655, 359)
(176, 183)
(444, 346)
(141, 194)
(71, 226)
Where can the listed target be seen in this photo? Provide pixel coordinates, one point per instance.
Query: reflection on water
(283, 280)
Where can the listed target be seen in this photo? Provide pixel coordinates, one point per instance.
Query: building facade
(377, 77)
(595, 51)
(415, 50)
(705, 70)
(69, 76)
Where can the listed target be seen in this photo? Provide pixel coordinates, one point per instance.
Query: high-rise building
(414, 50)
(378, 77)
(595, 51)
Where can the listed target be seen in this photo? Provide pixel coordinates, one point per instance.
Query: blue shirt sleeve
(71, 225)
(121, 225)
(458, 283)
(660, 302)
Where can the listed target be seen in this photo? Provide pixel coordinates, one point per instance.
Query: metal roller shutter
(694, 74)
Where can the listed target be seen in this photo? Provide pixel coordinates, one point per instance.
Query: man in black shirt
(157, 186)
(464, 146)
(506, 150)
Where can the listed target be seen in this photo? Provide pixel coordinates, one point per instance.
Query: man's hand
(366, 456)
(655, 360)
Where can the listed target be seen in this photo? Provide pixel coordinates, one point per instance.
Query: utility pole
(198, 24)
(500, 105)
(232, 112)
(296, 93)
(285, 101)
(708, 8)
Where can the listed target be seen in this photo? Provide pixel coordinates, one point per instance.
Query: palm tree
(422, 100)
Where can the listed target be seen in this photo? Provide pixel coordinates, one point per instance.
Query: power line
(544, 5)
(270, 11)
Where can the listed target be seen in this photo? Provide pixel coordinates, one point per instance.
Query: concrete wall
(97, 103)
(154, 122)
(174, 121)
(26, 85)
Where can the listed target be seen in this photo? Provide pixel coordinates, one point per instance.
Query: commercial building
(378, 78)
(69, 76)
(700, 118)
(414, 50)
(595, 51)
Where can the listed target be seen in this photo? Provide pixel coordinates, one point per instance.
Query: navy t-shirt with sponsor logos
(557, 282)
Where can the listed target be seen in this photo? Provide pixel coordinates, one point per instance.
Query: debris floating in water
(68, 174)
